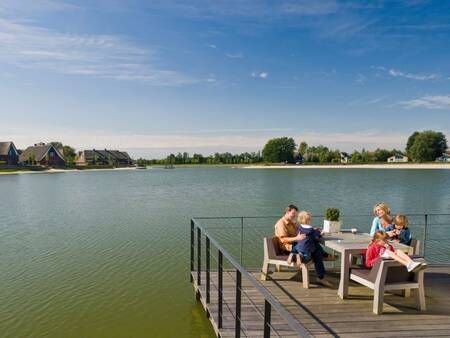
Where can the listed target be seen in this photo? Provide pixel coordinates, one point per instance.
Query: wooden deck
(324, 314)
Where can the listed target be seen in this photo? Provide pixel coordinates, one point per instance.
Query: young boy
(302, 249)
(399, 231)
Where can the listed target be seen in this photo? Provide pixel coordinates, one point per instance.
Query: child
(380, 248)
(302, 249)
(382, 218)
(399, 231)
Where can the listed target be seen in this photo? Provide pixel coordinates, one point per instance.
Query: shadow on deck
(323, 313)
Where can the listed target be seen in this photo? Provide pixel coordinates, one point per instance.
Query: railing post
(242, 240)
(220, 289)
(199, 256)
(237, 332)
(207, 269)
(267, 319)
(192, 249)
(425, 235)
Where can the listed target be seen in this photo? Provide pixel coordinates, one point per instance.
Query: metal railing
(270, 303)
(222, 231)
(431, 229)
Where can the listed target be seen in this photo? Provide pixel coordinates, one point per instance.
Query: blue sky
(155, 77)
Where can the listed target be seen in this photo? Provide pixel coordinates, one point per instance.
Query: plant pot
(331, 226)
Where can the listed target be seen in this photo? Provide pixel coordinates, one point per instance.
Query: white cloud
(421, 77)
(212, 46)
(103, 56)
(429, 102)
(235, 55)
(261, 75)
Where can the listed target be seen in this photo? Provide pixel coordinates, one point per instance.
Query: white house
(398, 158)
(444, 158)
(345, 158)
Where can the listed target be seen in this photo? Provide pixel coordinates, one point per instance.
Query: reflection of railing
(242, 235)
(270, 303)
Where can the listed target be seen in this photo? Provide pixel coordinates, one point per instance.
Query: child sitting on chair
(380, 248)
(302, 249)
(399, 231)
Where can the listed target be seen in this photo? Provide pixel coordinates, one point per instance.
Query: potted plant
(331, 222)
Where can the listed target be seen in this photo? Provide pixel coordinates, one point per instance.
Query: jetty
(239, 304)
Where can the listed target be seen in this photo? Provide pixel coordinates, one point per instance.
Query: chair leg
(305, 276)
(378, 297)
(420, 294)
(278, 267)
(406, 293)
(265, 271)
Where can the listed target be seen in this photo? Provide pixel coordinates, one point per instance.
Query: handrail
(315, 215)
(300, 329)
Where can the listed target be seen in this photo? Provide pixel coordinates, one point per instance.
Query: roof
(105, 155)
(38, 151)
(4, 148)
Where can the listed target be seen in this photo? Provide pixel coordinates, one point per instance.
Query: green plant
(332, 214)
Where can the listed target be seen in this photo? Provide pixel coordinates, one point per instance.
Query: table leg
(345, 275)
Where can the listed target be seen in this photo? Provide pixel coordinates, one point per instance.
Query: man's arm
(283, 235)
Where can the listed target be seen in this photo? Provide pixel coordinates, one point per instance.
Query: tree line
(217, 158)
(423, 146)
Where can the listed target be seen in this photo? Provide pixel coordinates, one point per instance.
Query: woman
(382, 218)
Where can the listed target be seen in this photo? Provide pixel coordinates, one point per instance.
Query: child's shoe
(413, 266)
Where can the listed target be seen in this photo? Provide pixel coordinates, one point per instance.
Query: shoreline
(59, 171)
(427, 166)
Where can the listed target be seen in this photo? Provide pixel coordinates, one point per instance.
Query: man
(287, 232)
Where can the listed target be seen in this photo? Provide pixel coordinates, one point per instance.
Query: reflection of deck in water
(323, 313)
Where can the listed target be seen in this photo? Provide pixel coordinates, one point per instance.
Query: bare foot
(289, 260)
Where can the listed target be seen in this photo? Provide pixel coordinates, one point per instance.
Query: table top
(348, 241)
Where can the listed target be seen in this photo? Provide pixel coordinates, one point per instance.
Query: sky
(154, 77)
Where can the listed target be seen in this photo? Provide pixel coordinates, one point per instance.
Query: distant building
(444, 158)
(8, 153)
(345, 158)
(399, 158)
(103, 157)
(42, 154)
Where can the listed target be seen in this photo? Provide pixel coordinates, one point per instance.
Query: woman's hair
(401, 220)
(383, 206)
(304, 217)
(379, 235)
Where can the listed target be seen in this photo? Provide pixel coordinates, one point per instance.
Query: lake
(106, 253)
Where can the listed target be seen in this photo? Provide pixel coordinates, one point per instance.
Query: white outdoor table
(347, 244)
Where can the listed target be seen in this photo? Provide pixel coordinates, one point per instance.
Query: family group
(302, 242)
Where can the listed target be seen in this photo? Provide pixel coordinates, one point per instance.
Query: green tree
(381, 155)
(427, 146)
(279, 150)
(410, 142)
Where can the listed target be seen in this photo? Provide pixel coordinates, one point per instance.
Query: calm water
(105, 254)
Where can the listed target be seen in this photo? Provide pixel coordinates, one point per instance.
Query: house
(103, 157)
(345, 157)
(397, 158)
(42, 154)
(444, 158)
(8, 153)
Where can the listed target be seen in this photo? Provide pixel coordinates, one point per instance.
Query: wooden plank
(324, 314)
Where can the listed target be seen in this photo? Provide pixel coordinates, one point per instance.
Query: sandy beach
(357, 166)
